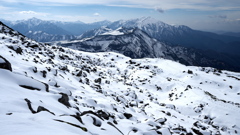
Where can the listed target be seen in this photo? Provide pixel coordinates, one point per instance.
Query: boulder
(5, 64)
(64, 100)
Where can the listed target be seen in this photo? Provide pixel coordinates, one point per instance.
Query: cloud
(20, 15)
(27, 12)
(4, 10)
(218, 16)
(86, 19)
(166, 4)
(96, 14)
(32, 13)
(160, 10)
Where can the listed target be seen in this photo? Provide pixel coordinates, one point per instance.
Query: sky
(208, 15)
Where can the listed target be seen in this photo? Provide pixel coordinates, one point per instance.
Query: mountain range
(211, 50)
(177, 35)
(135, 43)
(40, 30)
(48, 89)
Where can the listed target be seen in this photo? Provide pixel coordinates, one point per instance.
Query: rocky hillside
(55, 90)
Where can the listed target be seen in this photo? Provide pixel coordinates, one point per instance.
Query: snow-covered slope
(54, 90)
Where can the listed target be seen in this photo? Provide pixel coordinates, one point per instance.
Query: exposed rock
(46, 86)
(40, 108)
(78, 117)
(115, 127)
(5, 64)
(44, 73)
(127, 115)
(96, 122)
(17, 49)
(29, 87)
(64, 100)
(161, 120)
(99, 80)
(79, 73)
(190, 72)
(30, 106)
(197, 131)
(103, 114)
(83, 128)
(91, 112)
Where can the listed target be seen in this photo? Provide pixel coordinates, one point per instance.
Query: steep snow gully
(55, 90)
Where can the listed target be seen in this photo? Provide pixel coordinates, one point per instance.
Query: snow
(138, 96)
(20, 80)
(114, 32)
(2, 60)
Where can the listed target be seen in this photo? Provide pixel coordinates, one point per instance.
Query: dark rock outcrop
(127, 115)
(30, 106)
(5, 64)
(64, 100)
(40, 108)
(17, 49)
(29, 87)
